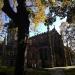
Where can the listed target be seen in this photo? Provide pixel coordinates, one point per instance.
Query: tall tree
(20, 18)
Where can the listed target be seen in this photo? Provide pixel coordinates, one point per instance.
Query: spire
(54, 26)
(54, 30)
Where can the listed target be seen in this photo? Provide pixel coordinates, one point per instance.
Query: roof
(45, 33)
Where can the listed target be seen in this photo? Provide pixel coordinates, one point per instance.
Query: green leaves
(50, 20)
(43, 1)
(46, 23)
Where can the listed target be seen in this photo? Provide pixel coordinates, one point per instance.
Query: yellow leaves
(38, 3)
(53, 1)
(1, 4)
(1, 24)
(40, 15)
(66, 2)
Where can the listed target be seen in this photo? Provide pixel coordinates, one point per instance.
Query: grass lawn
(69, 72)
(10, 71)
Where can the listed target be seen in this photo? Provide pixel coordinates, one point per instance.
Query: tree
(22, 22)
(68, 36)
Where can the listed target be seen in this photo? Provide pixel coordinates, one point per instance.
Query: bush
(6, 70)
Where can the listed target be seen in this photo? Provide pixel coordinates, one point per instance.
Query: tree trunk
(22, 22)
(23, 31)
(20, 54)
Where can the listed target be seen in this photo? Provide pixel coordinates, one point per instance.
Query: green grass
(7, 69)
(69, 72)
(36, 72)
(48, 72)
(10, 71)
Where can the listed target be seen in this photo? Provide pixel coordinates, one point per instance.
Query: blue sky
(42, 28)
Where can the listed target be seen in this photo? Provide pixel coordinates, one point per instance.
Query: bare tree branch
(8, 10)
(21, 2)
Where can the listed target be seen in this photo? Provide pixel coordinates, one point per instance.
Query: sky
(41, 28)
(3, 32)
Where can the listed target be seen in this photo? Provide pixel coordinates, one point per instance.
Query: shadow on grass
(69, 72)
(49, 72)
(10, 71)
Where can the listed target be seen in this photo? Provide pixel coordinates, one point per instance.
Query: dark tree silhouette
(22, 22)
